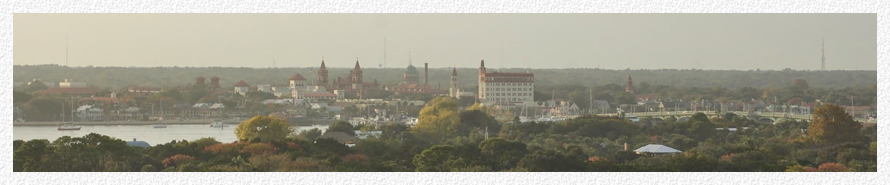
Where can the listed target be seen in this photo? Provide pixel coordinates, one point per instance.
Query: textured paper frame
(452, 6)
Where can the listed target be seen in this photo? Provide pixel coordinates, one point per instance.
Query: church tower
(322, 75)
(357, 74)
(629, 88)
(453, 91)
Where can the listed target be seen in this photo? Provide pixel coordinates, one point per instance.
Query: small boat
(68, 126)
(218, 124)
(159, 125)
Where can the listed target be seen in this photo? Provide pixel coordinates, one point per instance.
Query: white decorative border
(453, 6)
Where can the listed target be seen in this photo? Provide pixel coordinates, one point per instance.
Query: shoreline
(169, 122)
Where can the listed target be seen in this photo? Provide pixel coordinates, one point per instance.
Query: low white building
(89, 113)
(68, 83)
(264, 88)
(242, 87)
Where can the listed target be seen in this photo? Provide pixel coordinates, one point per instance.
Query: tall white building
(499, 88)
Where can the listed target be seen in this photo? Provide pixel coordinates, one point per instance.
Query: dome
(411, 69)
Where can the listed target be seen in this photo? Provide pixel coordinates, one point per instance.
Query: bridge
(762, 117)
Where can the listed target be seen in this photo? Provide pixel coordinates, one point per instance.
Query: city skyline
(608, 41)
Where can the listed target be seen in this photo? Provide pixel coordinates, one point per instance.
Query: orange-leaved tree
(832, 124)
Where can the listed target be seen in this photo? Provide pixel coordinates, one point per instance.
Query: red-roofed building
(81, 91)
(353, 85)
(242, 87)
(297, 81)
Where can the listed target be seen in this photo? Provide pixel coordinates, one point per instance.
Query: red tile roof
(319, 95)
(73, 90)
(297, 77)
(241, 84)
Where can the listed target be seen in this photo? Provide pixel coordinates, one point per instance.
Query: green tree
(265, 128)
(832, 124)
(800, 84)
(502, 154)
(32, 156)
(35, 86)
(342, 126)
(438, 120)
(309, 135)
(442, 158)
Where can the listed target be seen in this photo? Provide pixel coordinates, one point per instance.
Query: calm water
(145, 133)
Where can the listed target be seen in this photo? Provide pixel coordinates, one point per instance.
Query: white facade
(297, 84)
(71, 84)
(264, 88)
(242, 90)
(507, 92)
(498, 88)
(89, 113)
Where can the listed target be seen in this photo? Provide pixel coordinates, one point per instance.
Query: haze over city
(610, 41)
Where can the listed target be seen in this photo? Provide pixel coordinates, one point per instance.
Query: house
(131, 112)
(242, 87)
(655, 149)
(89, 113)
(601, 104)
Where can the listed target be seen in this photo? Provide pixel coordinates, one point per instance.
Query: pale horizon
(548, 41)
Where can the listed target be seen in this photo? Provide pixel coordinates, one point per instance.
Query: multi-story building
(297, 81)
(500, 88)
(353, 85)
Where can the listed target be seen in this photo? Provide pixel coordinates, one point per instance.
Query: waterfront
(145, 133)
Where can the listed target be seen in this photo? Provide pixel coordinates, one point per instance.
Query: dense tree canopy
(832, 124)
(264, 128)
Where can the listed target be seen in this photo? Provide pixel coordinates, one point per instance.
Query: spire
(454, 71)
(356, 64)
(322, 63)
(483, 64)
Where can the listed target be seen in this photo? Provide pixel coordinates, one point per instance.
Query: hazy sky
(611, 41)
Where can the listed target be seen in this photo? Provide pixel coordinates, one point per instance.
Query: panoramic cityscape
(445, 93)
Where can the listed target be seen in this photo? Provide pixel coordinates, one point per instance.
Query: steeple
(356, 64)
(454, 71)
(322, 63)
